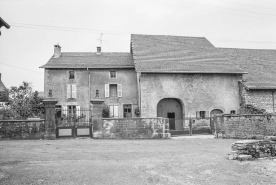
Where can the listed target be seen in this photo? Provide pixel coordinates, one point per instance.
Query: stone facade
(196, 92)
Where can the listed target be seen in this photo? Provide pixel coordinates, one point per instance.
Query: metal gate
(73, 122)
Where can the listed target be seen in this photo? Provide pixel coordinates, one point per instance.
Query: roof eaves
(190, 72)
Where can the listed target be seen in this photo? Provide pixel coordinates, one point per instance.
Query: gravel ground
(126, 162)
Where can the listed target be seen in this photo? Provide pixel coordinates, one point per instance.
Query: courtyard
(88, 161)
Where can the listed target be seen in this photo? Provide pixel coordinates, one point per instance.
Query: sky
(78, 25)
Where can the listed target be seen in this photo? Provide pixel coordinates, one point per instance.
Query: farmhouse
(163, 76)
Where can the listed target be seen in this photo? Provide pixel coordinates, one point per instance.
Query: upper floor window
(71, 75)
(113, 74)
(113, 90)
(71, 91)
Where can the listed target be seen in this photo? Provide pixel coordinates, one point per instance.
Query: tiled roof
(259, 63)
(91, 60)
(178, 54)
(2, 86)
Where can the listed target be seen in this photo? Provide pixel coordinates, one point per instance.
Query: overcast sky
(36, 25)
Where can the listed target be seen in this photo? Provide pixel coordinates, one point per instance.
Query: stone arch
(212, 114)
(173, 109)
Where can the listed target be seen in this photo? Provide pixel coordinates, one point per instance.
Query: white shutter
(111, 111)
(68, 91)
(74, 91)
(78, 111)
(64, 110)
(116, 111)
(106, 88)
(120, 90)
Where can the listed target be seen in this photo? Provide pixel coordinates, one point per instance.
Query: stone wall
(135, 128)
(246, 126)
(22, 129)
(262, 99)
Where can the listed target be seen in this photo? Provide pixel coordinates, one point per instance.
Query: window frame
(111, 73)
(125, 108)
(72, 74)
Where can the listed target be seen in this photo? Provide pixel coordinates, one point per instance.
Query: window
(113, 74)
(232, 112)
(114, 113)
(71, 75)
(113, 90)
(71, 91)
(127, 111)
(202, 114)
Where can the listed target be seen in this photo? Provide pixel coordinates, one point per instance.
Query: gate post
(97, 114)
(50, 121)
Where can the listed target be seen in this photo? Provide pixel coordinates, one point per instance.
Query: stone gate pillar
(50, 121)
(97, 113)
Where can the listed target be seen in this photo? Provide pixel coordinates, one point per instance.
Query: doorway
(171, 108)
(171, 116)
(213, 113)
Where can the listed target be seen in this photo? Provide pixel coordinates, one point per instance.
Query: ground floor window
(127, 111)
(202, 114)
(114, 111)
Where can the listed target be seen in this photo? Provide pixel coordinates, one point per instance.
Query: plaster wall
(197, 92)
(58, 79)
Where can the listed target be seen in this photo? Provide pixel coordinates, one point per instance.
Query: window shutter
(78, 111)
(64, 110)
(197, 114)
(116, 111)
(207, 114)
(74, 91)
(111, 111)
(68, 91)
(120, 90)
(106, 90)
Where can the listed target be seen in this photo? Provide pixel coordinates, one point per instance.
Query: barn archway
(171, 108)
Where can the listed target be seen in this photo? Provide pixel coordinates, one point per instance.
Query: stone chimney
(57, 51)
(99, 50)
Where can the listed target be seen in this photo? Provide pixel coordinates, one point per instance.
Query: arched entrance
(171, 108)
(212, 114)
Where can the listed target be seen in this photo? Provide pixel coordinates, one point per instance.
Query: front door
(171, 116)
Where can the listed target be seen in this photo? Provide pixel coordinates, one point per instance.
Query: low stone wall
(22, 129)
(135, 128)
(245, 126)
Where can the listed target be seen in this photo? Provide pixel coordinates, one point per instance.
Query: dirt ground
(127, 162)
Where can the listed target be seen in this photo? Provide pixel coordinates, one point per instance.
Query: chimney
(57, 51)
(99, 50)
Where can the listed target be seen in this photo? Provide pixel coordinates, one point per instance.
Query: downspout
(139, 91)
(89, 93)
(273, 102)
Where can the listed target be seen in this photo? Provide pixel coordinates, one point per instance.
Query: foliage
(4, 95)
(105, 111)
(251, 109)
(23, 103)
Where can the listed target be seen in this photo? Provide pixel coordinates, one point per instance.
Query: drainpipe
(89, 93)
(273, 102)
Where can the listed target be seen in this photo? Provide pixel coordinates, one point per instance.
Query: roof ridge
(248, 49)
(170, 36)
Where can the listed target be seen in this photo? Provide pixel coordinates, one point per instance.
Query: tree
(23, 102)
